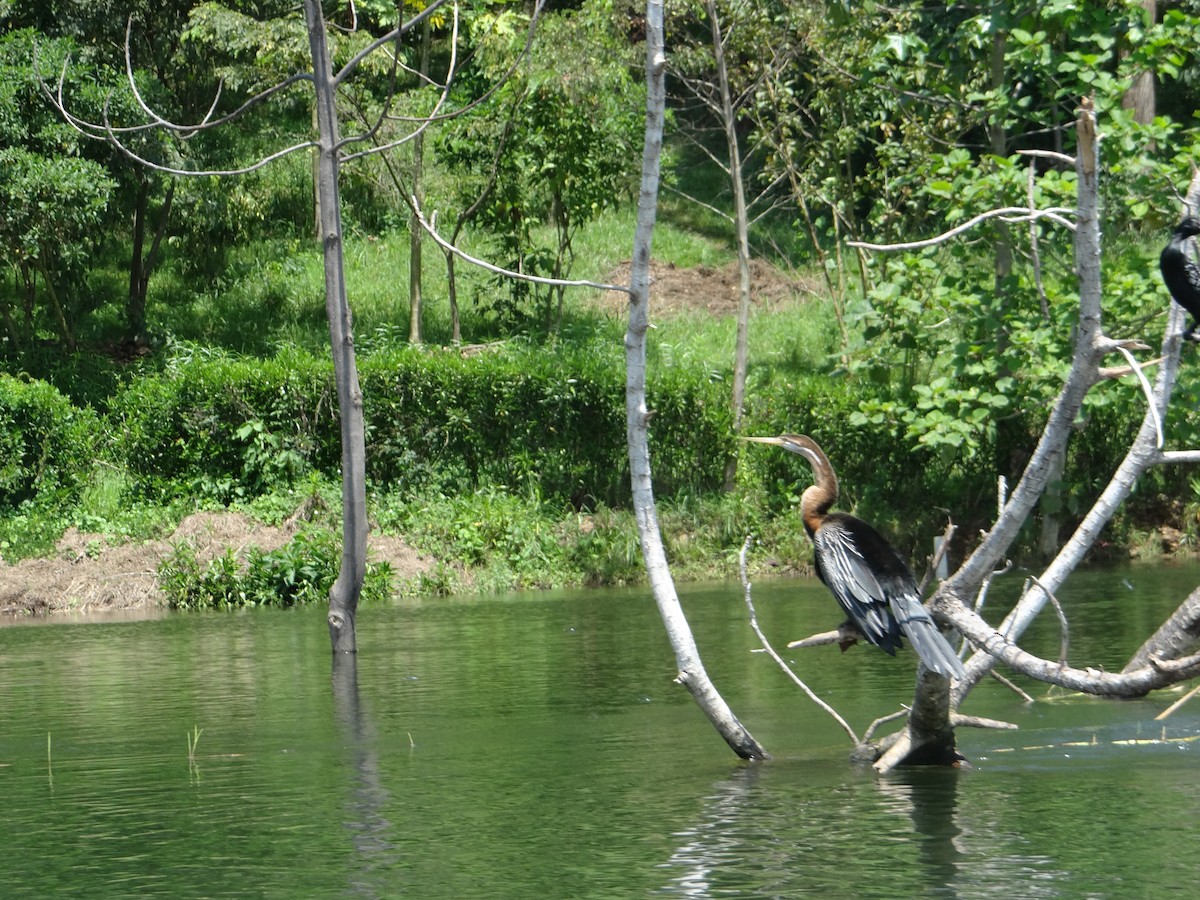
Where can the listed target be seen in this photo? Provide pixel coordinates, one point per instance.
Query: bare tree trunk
(343, 596)
(691, 670)
(950, 599)
(452, 295)
(142, 262)
(1177, 637)
(415, 298)
(741, 227)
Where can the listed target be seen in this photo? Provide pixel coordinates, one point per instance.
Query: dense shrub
(300, 572)
(227, 428)
(555, 426)
(542, 429)
(47, 446)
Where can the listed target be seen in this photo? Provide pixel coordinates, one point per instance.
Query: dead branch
(1122, 371)
(425, 121)
(816, 640)
(766, 645)
(430, 228)
(1175, 637)
(1157, 673)
(399, 31)
(996, 676)
(961, 721)
(1177, 704)
(1009, 214)
(1142, 454)
(1151, 406)
(884, 720)
(938, 555)
(1064, 628)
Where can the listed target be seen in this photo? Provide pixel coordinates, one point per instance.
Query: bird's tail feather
(926, 639)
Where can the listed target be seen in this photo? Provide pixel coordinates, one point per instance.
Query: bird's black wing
(877, 590)
(844, 569)
(1182, 276)
(1192, 272)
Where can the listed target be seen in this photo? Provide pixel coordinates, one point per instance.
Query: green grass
(271, 294)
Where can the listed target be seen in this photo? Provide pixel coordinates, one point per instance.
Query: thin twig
(1151, 403)
(1011, 686)
(884, 720)
(1062, 620)
(938, 555)
(1049, 154)
(348, 69)
(771, 651)
(430, 228)
(426, 121)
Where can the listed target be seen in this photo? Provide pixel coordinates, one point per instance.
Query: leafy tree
(329, 149)
(52, 200)
(569, 157)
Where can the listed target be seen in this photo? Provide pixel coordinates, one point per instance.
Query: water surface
(535, 746)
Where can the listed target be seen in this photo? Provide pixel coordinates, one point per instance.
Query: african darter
(872, 584)
(1182, 276)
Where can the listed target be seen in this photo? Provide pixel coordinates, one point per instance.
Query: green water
(536, 747)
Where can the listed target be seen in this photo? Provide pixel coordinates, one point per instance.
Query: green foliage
(226, 429)
(52, 199)
(299, 572)
(561, 147)
(47, 446)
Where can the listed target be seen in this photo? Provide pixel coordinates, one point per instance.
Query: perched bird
(872, 584)
(1181, 275)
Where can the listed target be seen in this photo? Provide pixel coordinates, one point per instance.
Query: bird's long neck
(817, 500)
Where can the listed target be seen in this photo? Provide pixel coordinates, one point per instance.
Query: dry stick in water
(775, 656)
(1178, 703)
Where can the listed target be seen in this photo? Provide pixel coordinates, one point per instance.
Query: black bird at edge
(873, 585)
(1181, 275)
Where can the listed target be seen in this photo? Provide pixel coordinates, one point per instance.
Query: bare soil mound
(675, 290)
(88, 574)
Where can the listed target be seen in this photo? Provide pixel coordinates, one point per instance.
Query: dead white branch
(1005, 214)
(1177, 704)
(424, 122)
(766, 645)
(430, 228)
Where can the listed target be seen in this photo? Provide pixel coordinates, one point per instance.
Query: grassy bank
(506, 465)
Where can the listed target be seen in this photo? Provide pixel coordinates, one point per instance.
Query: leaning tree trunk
(343, 596)
(931, 732)
(691, 670)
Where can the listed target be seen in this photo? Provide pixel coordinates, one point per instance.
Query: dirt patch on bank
(88, 574)
(708, 289)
